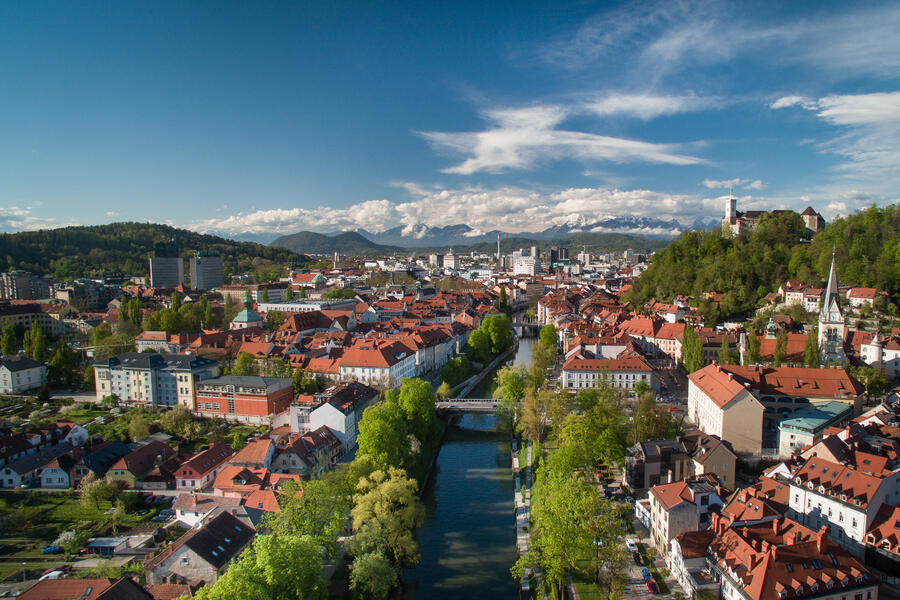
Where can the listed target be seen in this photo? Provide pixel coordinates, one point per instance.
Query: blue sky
(276, 117)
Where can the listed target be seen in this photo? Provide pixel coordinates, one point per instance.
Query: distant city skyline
(253, 119)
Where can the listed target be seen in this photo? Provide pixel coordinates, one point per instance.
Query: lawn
(83, 415)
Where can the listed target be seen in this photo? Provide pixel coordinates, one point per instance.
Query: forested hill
(748, 267)
(72, 252)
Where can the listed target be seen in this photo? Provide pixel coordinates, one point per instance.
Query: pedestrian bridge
(483, 405)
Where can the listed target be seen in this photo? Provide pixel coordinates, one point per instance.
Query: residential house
(202, 554)
(199, 472)
(380, 363)
(130, 470)
(721, 406)
(694, 453)
(88, 588)
(624, 372)
(339, 408)
(686, 560)
(30, 467)
(680, 506)
(20, 374)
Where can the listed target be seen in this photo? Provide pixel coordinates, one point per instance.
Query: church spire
(831, 321)
(832, 301)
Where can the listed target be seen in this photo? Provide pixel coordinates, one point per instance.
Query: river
(468, 541)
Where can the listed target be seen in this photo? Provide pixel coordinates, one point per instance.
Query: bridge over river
(478, 405)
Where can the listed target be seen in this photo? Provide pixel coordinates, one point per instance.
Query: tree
(175, 304)
(499, 329)
(63, 364)
(416, 401)
(318, 509)
(533, 420)
(502, 302)
(383, 436)
(811, 349)
(245, 365)
(456, 370)
(548, 336)
(238, 440)
(264, 295)
(386, 512)
(10, 343)
(780, 348)
(444, 391)
(726, 356)
(478, 348)
(274, 319)
(510, 389)
(93, 490)
(691, 350)
(137, 427)
(277, 567)
(288, 293)
(872, 379)
(752, 348)
(340, 293)
(373, 576)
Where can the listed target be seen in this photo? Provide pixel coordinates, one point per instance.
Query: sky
(257, 118)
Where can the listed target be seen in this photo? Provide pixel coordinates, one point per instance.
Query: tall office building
(166, 272)
(207, 272)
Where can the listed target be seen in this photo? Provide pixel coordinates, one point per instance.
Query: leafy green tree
(872, 379)
(264, 295)
(9, 343)
(372, 575)
(726, 355)
(93, 490)
(780, 349)
(499, 329)
(502, 302)
(641, 388)
(548, 336)
(533, 419)
(510, 390)
(280, 567)
(456, 370)
(245, 365)
(386, 512)
(138, 428)
(237, 440)
(752, 348)
(444, 391)
(175, 304)
(340, 293)
(478, 348)
(274, 319)
(811, 349)
(691, 350)
(318, 509)
(416, 401)
(289, 294)
(63, 364)
(383, 436)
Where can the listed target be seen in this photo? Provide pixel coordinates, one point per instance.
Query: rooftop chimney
(776, 526)
(820, 538)
(669, 476)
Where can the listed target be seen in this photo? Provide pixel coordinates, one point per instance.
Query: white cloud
(714, 184)
(511, 209)
(17, 218)
(789, 101)
(647, 106)
(111, 213)
(521, 138)
(756, 185)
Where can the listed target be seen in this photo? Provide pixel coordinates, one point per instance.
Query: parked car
(51, 550)
(651, 585)
(141, 513)
(167, 512)
(631, 544)
(52, 575)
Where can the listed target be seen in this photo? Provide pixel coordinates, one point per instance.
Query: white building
(380, 364)
(153, 379)
(339, 408)
(626, 372)
(19, 374)
(526, 265)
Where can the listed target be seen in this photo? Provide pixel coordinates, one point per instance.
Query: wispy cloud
(867, 137)
(724, 184)
(522, 138)
(17, 218)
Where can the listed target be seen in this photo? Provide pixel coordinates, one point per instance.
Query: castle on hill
(744, 222)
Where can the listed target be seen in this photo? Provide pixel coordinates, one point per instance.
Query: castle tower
(730, 206)
(831, 322)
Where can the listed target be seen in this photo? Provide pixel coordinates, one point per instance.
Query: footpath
(523, 516)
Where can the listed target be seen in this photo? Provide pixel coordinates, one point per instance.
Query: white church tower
(831, 322)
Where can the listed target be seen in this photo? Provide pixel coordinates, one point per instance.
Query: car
(141, 513)
(631, 544)
(51, 550)
(645, 573)
(651, 585)
(638, 559)
(167, 512)
(52, 575)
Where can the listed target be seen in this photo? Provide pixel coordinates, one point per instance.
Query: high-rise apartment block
(207, 272)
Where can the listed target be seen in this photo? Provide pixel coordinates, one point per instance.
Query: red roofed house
(883, 540)
(856, 297)
(96, 588)
(846, 497)
(721, 406)
(378, 362)
(131, 469)
(199, 472)
(680, 506)
(623, 372)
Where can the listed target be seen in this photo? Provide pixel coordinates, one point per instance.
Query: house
(97, 460)
(857, 297)
(339, 408)
(686, 560)
(130, 470)
(56, 474)
(199, 472)
(623, 372)
(806, 426)
(19, 374)
(792, 291)
(30, 467)
(89, 588)
(192, 508)
(845, 497)
(255, 454)
(680, 506)
(783, 559)
(381, 363)
(201, 555)
(246, 399)
(883, 540)
(694, 453)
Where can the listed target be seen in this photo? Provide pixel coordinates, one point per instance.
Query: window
(185, 560)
